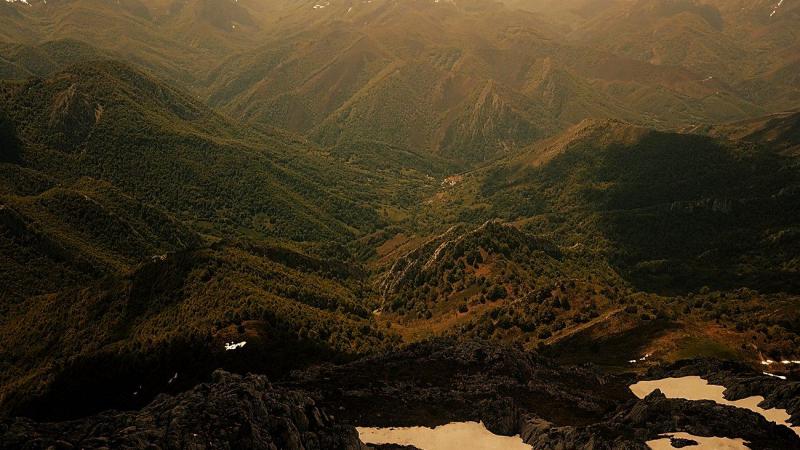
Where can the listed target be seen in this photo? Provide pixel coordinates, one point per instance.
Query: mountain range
(365, 199)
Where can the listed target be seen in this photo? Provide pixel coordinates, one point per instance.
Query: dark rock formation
(681, 443)
(517, 392)
(656, 415)
(232, 412)
(444, 381)
(510, 390)
(740, 381)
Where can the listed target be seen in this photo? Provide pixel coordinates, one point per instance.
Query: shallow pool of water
(453, 436)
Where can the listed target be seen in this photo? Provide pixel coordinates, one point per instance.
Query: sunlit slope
(469, 81)
(108, 121)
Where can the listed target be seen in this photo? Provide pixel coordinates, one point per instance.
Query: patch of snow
(453, 436)
(774, 9)
(234, 346)
(785, 362)
(774, 376)
(696, 388)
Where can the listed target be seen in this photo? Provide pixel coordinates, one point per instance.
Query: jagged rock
(654, 416)
(442, 381)
(510, 390)
(517, 392)
(740, 382)
(232, 412)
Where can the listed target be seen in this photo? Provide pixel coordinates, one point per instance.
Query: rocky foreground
(510, 390)
(231, 412)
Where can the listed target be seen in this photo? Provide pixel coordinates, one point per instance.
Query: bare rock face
(513, 391)
(740, 382)
(442, 381)
(657, 415)
(232, 412)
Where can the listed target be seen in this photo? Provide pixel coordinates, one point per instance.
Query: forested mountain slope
(109, 121)
(670, 210)
(412, 201)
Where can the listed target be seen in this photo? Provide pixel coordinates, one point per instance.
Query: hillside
(497, 282)
(483, 78)
(66, 236)
(174, 314)
(109, 121)
(780, 131)
(179, 40)
(723, 211)
(749, 47)
(120, 205)
(400, 213)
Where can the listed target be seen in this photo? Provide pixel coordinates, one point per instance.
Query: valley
(276, 224)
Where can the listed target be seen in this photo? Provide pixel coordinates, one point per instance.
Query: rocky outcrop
(441, 381)
(740, 381)
(232, 412)
(512, 391)
(656, 415)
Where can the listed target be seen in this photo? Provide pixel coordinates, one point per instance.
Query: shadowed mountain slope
(670, 210)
